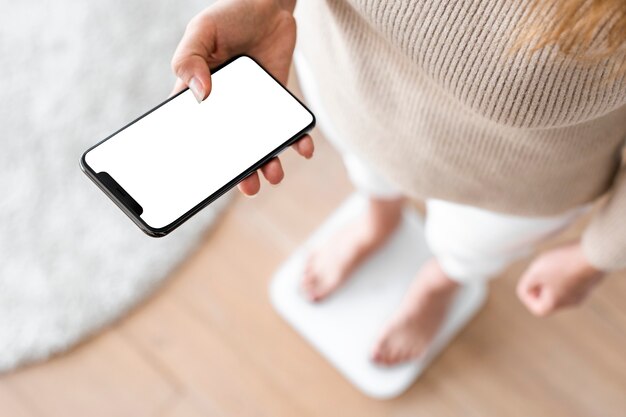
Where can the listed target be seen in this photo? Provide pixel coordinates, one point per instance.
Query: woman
(507, 118)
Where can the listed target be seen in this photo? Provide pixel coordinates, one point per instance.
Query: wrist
(287, 4)
(272, 5)
(586, 266)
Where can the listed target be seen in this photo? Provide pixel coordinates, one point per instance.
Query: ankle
(435, 280)
(384, 216)
(444, 285)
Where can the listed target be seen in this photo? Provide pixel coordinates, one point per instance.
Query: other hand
(562, 277)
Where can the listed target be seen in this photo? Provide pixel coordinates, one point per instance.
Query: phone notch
(120, 194)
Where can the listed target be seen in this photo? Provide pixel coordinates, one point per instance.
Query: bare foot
(422, 312)
(331, 264)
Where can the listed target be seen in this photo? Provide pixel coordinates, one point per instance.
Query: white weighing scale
(344, 327)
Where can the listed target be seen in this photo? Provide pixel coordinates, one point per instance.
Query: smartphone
(168, 164)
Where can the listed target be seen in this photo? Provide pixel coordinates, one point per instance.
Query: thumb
(190, 64)
(536, 296)
(194, 72)
(179, 86)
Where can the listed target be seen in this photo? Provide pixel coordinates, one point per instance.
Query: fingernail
(196, 88)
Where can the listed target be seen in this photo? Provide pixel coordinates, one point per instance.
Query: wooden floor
(209, 344)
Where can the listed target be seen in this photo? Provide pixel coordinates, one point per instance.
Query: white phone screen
(183, 152)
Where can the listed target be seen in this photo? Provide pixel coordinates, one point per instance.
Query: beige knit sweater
(429, 92)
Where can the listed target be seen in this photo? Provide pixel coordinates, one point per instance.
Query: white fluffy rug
(71, 73)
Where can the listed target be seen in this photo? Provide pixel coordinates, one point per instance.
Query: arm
(566, 275)
(604, 240)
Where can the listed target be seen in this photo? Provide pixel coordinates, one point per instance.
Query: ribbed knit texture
(433, 94)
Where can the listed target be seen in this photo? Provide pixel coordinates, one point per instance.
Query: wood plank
(211, 368)
(191, 405)
(10, 403)
(103, 377)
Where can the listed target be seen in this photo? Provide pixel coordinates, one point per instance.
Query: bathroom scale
(344, 327)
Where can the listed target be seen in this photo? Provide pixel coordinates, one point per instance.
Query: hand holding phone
(174, 160)
(264, 29)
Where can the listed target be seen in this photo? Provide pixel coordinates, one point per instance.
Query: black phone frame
(165, 230)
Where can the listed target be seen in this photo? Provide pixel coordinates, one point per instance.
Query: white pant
(470, 243)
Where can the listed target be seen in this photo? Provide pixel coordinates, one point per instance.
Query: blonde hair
(589, 30)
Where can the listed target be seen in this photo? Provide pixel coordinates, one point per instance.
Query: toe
(407, 355)
(312, 292)
(399, 357)
(312, 283)
(393, 357)
(310, 286)
(381, 351)
(326, 288)
(309, 283)
(379, 356)
(315, 290)
(320, 292)
(308, 278)
(416, 352)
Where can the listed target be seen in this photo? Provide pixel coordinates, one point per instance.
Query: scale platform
(344, 327)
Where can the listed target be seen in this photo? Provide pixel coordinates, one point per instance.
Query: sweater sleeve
(604, 240)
